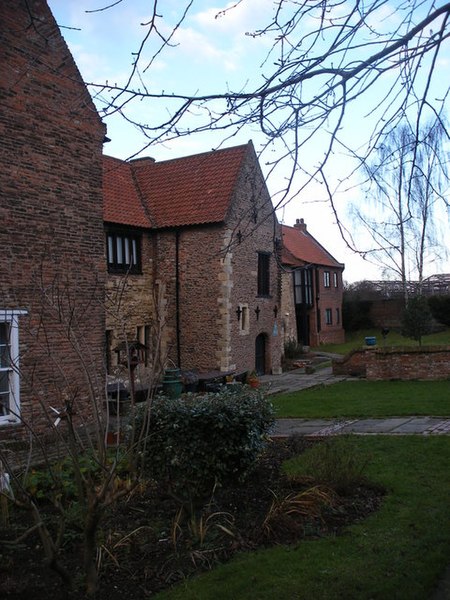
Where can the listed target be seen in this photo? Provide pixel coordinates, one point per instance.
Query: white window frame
(326, 279)
(12, 318)
(328, 316)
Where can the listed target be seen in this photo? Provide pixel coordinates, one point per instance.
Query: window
(9, 366)
(244, 320)
(338, 316)
(263, 274)
(303, 288)
(335, 279)
(143, 336)
(326, 279)
(328, 316)
(124, 252)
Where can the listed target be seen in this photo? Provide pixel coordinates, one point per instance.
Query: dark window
(303, 288)
(143, 336)
(263, 274)
(108, 349)
(338, 316)
(328, 316)
(124, 252)
(326, 279)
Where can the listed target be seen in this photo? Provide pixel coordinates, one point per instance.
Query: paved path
(388, 426)
(298, 380)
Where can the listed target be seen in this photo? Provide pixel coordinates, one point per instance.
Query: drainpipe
(177, 295)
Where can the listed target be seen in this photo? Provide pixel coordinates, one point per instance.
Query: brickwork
(52, 262)
(289, 325)
(312, 304)
(329, 298)
(427, 363)
(131, 303)
(216, 273)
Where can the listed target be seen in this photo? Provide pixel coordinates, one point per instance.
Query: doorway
(260, 354)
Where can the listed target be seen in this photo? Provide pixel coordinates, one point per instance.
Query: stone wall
(217, 275)
(406, 363)
(52, 262)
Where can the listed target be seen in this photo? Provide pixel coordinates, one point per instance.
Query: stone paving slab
(389, 426)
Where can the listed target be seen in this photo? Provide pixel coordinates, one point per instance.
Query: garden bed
(149, 543)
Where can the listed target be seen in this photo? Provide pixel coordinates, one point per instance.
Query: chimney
(300, 224)
(143, 160)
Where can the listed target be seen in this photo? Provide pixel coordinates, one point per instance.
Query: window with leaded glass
(263, 274)
(124, 252)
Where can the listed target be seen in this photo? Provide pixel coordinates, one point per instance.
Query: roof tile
(121, 202)
(300, 247)
(184, 191)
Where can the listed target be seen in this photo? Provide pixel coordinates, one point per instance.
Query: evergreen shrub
(200, 440)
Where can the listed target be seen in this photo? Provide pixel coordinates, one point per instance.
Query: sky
(209, 47)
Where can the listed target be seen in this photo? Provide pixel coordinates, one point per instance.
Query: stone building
(201, 266)
(52, 267)
(312, 289)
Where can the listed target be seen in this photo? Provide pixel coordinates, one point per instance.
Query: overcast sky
(208, 50)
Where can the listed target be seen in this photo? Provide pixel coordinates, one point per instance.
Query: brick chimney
(300, 224)
(143, 160)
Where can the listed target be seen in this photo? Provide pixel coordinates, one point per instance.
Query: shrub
(356, 314)
(417, 319)
(440, 308)
(197, 441)
(292, 349)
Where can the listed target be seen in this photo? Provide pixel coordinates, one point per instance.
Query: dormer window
(124, 252)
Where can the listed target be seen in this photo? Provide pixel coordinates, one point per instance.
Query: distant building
(196, 239)
(312, 289)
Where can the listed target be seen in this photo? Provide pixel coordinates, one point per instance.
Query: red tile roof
(121, 201)
(184, 191)
(300, 248)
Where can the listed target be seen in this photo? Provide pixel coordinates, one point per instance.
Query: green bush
(197, 441)
(57, 482)
(440, 308)
(292, 349)
(416, 319)
(356, 314)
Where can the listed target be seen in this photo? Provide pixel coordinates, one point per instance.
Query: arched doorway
(260, 354)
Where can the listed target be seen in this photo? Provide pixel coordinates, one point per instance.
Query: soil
(149, 542)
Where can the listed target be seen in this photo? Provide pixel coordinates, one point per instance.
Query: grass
(367, 399)
(356, 340)
(399, 552)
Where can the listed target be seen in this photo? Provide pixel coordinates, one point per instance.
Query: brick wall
(217, 273)
(289, 324)
(253, 216)
(52, 261)
(329, 298)
(428, 363)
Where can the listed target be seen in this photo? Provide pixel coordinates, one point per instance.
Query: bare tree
(408, 182)
(330, 63)
(75, 443)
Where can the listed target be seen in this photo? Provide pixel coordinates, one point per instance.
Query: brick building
(312, 289)
(191, 245)
(51, 224)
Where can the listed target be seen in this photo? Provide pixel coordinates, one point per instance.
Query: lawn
(367, 399)
(398, 552)
(356, 339)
